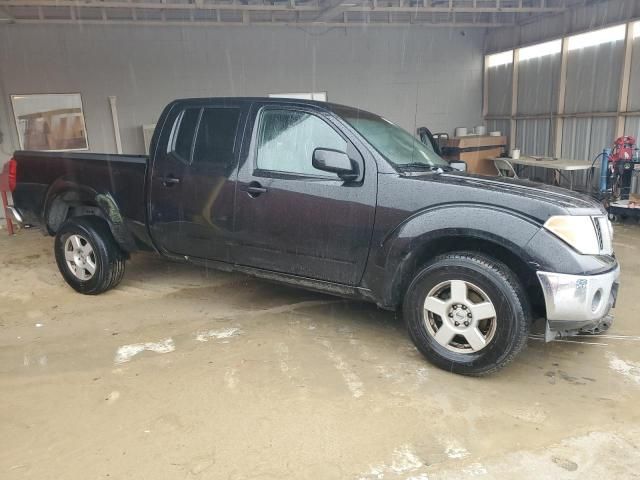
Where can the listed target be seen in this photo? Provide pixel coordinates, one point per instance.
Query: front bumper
(579, 303)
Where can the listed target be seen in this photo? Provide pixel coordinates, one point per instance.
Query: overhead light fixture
(598, 37)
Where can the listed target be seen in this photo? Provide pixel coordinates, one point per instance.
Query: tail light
(13, 174)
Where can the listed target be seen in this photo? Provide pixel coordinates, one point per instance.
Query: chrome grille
(596, 224)
(604, 234)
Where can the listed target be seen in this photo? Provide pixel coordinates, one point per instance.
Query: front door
(292, 218)
(192, 192)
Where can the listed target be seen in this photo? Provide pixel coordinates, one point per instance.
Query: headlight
(577, 231)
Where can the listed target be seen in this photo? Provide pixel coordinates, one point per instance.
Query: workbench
(475, 151)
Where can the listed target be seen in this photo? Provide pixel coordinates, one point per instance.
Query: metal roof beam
(169, 5)
(328, 10)
(287, 23)
(331, 10)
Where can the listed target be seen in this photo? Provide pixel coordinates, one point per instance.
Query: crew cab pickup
(339, 200)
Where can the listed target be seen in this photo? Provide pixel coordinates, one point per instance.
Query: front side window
(287, 139)
(181, 138)
(216, 136)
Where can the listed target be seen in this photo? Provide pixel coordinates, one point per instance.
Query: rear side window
(287, 139)
(182, 133)
(216, 136)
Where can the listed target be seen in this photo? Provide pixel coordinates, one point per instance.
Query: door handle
(254, 189)
(170, 181)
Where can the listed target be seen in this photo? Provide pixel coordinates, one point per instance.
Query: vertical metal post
(485, 88)
(116, 125)
(514, 99)
(562, 90)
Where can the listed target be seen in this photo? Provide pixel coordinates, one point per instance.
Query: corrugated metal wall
(533, 136)
(593, 78)
(590, 17)
(501, 126)
(632, 123)
(634, 84)
(584, 138)
(538, 84)
(500, 78)
(592, 88)
(538, 80)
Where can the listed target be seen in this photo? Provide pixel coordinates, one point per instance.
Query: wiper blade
(415, 165)
(425, 166)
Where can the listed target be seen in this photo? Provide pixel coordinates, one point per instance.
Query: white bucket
(461, 132)
(480, 130)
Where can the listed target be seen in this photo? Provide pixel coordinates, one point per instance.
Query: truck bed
(43, 176)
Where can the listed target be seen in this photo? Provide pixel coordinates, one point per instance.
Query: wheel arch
(66, 198)
(498, 234)
(524, 271)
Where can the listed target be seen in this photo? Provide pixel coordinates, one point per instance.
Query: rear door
(192, 189)
(292, 218)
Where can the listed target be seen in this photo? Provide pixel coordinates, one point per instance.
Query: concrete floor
(186, 373)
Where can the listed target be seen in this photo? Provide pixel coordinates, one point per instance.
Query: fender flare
(67, 190)
(402, 249)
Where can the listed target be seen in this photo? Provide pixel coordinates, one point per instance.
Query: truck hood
(530, 198)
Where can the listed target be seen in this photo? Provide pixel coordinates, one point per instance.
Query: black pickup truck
(339, 200)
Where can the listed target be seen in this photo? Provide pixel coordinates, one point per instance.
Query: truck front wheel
(467, 313)
(87, 255)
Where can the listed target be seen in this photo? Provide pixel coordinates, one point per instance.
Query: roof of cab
(293, 101)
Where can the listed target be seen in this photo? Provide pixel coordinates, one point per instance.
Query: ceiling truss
(328, 13)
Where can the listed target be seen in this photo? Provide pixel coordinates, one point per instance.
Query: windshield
(398, 146)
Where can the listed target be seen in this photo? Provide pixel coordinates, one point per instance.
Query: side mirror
(336, 162)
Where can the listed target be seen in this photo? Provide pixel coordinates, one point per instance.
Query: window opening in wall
(498, 59)
(598, 37)
(540, 50)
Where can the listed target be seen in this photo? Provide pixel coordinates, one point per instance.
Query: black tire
(108, 258)
(498, 283)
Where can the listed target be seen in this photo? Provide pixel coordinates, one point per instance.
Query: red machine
(624, 149)
(623, 162)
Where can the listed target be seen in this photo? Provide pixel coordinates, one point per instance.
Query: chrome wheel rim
(80, 257)
(460, 316)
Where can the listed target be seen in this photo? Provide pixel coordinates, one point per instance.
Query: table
(558, 165)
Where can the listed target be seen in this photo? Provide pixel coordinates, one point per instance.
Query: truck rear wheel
(467, 313)
(88, 257)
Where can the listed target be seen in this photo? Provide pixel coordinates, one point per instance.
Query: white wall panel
(396, 72)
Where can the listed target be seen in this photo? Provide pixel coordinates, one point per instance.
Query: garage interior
(186, 372)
